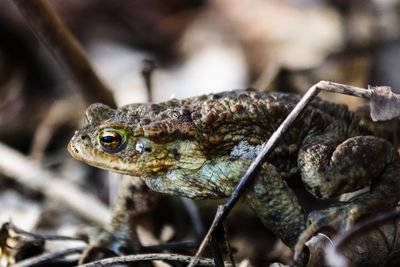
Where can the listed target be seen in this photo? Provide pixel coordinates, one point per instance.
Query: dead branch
(51, 30)
(149, 257)
(16, 166)
(194, 214)
(60, 113)
(171, 246)
(47, 237)
(147, 70)
(48, 257)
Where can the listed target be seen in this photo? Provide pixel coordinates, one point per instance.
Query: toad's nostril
(83, 137)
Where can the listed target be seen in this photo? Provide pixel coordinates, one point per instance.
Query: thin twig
(345, 89)
(207, 237)
(216, 252)
(51, 237)
(18, 167)
(147, 70)
(172, 246)
(60, 112)
(384, 103)
(51, 30)
(194, 215)
(147, 257)
(228, 246)
(48, 257)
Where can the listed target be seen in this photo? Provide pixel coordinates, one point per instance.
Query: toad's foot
(108, 244)
(339, 218)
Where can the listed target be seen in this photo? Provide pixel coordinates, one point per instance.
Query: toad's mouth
(100, 160)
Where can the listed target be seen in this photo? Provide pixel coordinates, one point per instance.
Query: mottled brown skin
(200, 147)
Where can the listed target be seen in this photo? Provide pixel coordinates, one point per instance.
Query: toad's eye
(111, 140)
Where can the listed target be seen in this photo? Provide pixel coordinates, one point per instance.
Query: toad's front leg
(276, 205)
(269, 195)
(120, 237)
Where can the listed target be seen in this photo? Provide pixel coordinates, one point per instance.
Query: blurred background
(196, 47)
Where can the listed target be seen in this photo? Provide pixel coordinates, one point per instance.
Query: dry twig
(148, 257)
(147, 70)
(19, 231)
(16, 166)
(48, 257)
(171, 246)
(51, 30)
(61, 112)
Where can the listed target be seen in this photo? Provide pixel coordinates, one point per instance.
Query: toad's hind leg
(329, 168)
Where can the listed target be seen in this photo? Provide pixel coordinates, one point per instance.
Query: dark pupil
(110, 138)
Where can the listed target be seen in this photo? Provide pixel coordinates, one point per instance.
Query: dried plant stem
(344, 89)
(147, 70)
(48, 257)
(194, 216)
(171, 246)
(15, 165)
(147, 257)
(48, 237)
(51, 30)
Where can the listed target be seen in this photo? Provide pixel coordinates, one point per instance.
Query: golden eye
(111, 140)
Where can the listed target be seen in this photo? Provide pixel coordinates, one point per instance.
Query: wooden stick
(345, 89)
(16, 166)
(48, 257)
(147, 257)
(42, 236)
(51, 30)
